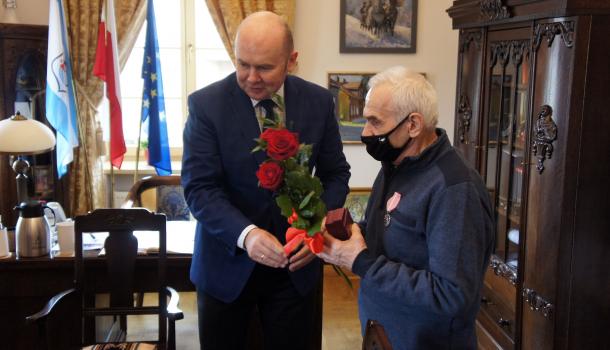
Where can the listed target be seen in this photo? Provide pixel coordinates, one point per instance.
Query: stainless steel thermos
(32, 232)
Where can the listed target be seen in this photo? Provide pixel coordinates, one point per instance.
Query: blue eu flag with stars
(153, 104)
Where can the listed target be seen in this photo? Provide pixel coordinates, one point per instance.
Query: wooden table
(27, 284)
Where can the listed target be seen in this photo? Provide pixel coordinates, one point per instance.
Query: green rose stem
(286, 172)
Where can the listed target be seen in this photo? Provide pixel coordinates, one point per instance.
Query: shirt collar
(280, 92)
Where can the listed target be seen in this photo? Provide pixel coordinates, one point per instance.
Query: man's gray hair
(411, 92)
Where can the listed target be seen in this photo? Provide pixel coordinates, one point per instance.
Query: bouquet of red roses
(286, 172)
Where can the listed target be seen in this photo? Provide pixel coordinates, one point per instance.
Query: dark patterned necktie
(267, 106)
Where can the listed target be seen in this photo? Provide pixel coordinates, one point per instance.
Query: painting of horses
(349, 91)
(378, 26)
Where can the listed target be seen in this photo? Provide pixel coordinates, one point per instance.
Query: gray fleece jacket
(423, 269)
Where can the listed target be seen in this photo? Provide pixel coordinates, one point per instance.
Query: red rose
(270, 175)
(281, 143)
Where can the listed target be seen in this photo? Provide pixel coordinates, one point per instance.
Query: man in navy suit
(239, 261)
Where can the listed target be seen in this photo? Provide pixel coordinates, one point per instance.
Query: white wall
(27, 12)
(317, 40)
(316, 34)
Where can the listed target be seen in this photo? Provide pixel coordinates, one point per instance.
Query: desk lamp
(21, 136)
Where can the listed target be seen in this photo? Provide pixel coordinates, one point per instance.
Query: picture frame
(356, 202)
(43, 181)
(378, 26)
(349, 90)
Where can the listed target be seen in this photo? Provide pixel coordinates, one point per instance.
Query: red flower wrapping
(281, 143)
(295, 236)
(294, 217)
(270, 175)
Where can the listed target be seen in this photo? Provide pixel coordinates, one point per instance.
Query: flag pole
(111, 183)
(106, 67)
(135, 174)
(105, 15)
(153, 103)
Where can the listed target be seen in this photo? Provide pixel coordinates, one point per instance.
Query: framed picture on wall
(378, 26)
(356, 201)
(43, 181)
(349, 91)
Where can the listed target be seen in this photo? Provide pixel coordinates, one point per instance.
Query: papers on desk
(180, 239)
(90, 242)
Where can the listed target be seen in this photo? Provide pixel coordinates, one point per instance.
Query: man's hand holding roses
(264, 248)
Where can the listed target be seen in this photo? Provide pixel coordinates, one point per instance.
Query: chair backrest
(161, 194)
(375, 337)
(114, 272)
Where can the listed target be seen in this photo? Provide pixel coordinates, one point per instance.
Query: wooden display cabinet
(531, 117)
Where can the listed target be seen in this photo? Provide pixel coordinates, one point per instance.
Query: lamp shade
(19, 135)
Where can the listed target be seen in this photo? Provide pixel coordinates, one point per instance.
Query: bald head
(265, 25)
(264, 54)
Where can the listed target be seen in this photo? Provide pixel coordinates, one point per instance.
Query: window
(192, 56)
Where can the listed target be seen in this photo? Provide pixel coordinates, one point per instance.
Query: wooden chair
(139, 196)
(375, 337)
(161, 194)
(121, 250)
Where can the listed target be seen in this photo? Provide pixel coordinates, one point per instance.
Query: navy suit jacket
(221, 188)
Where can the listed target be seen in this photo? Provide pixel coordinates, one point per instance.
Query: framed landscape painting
(356, 202)
(349, 91)
(378, 26)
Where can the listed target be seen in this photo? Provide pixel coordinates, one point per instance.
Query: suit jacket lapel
(294, 108)
(246, 119)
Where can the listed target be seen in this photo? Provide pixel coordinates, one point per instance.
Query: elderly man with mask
(428, 233)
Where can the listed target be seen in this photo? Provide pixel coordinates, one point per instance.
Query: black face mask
(380, 148)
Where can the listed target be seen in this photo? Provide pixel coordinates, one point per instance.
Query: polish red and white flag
(107, 68)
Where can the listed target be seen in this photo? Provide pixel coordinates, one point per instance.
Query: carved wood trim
(519, 49)
(508, 51)
(501, 269)
(120, 219)
(550, 30)
(499, 51)
(494, 10)
(537, 303)
(467, 37)
(464, 116)
(545, 132)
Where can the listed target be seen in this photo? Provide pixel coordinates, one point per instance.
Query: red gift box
(339, 223)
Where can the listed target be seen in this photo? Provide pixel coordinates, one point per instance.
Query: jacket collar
(244, 118)
(294, 104)
(426, 158)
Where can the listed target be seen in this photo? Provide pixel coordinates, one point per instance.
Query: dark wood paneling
(468, 101)
(15, 41)
(554, 59)
(590, 282)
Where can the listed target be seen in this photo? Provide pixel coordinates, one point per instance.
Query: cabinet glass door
(507, 114)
